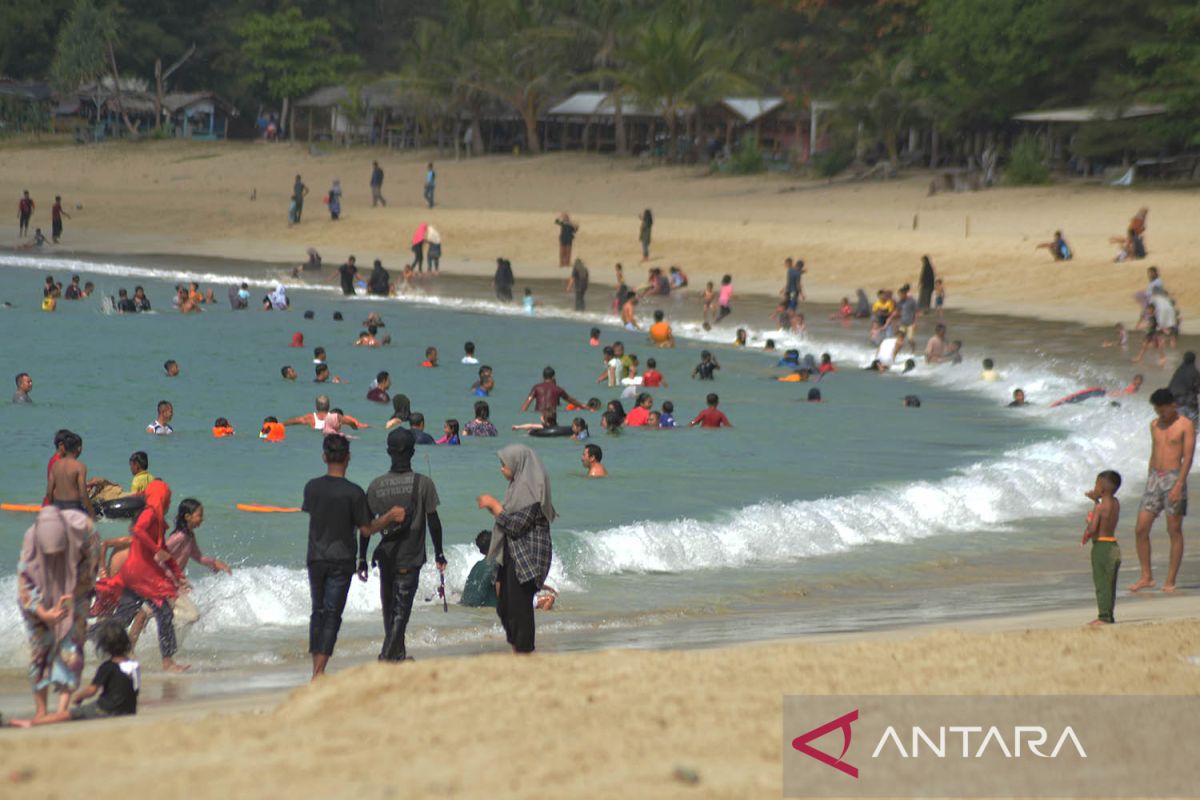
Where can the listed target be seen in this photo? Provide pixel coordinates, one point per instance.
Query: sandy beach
(230, 200)
(616, 722)
(587, 725)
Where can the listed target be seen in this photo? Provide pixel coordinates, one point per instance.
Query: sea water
(850, 514)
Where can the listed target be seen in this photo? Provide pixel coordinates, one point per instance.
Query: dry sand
(195, 198)
(606, 724)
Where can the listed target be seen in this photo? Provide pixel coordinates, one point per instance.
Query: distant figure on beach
(724, 298)
(479, 591)
(400, 554)
(56, 217)
(418, 247)
(1102, 531)
(989, 373)
(503, 280)
(926, 284)
(521, 546)
(578, 283)
(299, 192)
(1173, 443)
(336, 508)
(1131, 246)
(1185, 387)
(1058, 247)
(433, 249)
(25, 208)
(430, 183)
(644, 234)
(566, 238)
(591, 458)
(377, 185)
(380, 282)
(24, 387)
(347, 273)
(939, 297)
(711, 416)
(334, 199)
(793, 291)
(1018, 400)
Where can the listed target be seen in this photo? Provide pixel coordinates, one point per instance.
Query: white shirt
(888, 349)
(470, 360)
(1164, 312)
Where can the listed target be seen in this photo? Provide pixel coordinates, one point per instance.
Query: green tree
(675, 67)
(285, 55)
(1171, 67)
(882, 98)
(84, 53)
(524, 60)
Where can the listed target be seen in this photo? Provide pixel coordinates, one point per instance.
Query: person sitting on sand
(118, 681)
(1131, 246)
(1058, 247)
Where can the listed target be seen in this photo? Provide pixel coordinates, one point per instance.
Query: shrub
(747, 158)
(1025, 164)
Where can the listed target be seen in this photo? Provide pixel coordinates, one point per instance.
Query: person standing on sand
(1173, 443)
(335, 200)
(377, 185)
(336, 508)
(578, 283)
(25, 208)
(56, 217)
(521, 546)
(55, 574)
(926, 284)
(647, 220)
(299, 190)
(503, 280)
(418, 247)
(401, 553)
(566, 238)
(430, 183)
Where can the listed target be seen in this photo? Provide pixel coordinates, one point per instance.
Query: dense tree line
(961, 68)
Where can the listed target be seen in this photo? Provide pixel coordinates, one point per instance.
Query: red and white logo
(801, 743)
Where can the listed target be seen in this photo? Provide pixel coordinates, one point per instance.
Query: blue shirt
(666, 420)
(421, 437)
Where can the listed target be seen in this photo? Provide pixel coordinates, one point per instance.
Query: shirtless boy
(67, 485)
(1173, 443)
(1102, 531)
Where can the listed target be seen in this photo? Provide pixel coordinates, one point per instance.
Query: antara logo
(801, 743)
(976, 742)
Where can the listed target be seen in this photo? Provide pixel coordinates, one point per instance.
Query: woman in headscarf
(401, 410)
(59, 557)
(521, 546)
(150, 576)
(926, 283)
(647, 220)
(335, 200)
(279, 299)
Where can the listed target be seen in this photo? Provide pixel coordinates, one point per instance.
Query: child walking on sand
(118, 681)
(1102, 530)
(709, 300)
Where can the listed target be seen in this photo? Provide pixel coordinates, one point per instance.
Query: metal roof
(751, 108)
(1092, 113)
(597, 104)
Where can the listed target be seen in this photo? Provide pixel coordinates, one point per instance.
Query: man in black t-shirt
(335, 508)
(348, 272)
(401, 553)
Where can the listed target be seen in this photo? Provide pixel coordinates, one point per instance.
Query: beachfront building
(198, 115)
(588, 121)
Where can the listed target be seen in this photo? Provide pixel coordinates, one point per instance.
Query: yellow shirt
(140, 482)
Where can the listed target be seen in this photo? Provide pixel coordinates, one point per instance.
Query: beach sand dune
(195, 199)
(605, 724)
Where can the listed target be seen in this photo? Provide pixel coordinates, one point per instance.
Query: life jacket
(221, 432)
(273, 432)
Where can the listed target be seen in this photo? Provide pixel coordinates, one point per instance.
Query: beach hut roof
(381, 94)
(177, 101)
(27, 90)
(752, 108)
(1092, 113)
(597, 104)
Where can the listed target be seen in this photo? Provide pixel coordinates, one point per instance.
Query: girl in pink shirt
(723, 298)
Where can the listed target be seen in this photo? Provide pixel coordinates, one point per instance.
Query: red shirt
(711, 418)
(824, 368)
(637, 416)
(652, 378)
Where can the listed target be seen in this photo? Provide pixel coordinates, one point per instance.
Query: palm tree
(675, 67)
(881, 97)
(604, 26)
(523, 60)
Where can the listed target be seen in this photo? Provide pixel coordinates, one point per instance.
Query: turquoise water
(695, 532)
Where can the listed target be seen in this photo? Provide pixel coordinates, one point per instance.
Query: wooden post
(310, 124)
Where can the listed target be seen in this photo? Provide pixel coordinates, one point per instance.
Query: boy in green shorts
(1102, 530)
